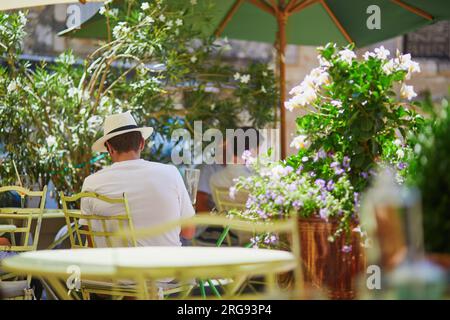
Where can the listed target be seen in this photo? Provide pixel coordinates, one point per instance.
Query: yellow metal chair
(232, 290)
(23, 226)
(107, 225)
(107, 228)
(96, 229)
(224, 202)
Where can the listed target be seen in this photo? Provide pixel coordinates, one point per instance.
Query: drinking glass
(191, 178)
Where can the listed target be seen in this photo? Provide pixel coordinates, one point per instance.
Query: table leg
(59, 288)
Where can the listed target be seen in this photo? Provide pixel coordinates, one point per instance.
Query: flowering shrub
(278, 190)
(353, 111)
(353, 123)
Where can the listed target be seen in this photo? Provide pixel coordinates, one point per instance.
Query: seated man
(155, 191)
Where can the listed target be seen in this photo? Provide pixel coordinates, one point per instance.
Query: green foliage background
(161, 69)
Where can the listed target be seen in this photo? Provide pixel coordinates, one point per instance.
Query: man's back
(155, 192)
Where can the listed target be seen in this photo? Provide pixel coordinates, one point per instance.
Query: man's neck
(126, 156)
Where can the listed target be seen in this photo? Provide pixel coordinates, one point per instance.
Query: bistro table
(149, 263)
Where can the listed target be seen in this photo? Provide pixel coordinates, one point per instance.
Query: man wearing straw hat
(155, 191)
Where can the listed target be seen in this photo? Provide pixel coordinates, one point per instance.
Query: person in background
(222, 175)
(156, 192)
(226, 178)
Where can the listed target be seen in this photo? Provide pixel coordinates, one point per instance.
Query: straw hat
(118, 124)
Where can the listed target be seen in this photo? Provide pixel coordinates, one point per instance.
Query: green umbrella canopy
(301, 22)
(310, 22)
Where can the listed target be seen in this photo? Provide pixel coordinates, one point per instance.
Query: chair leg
(85, 294)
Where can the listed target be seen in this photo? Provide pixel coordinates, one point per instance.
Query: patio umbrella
(306, 22)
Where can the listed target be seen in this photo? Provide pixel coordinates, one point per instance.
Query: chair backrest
(224, 202)
(22, 218)
(98, 226)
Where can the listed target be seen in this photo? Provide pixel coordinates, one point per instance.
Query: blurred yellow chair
(224, 202)
(98, 228)
(23, 226)
(106, 227)
(288, 227)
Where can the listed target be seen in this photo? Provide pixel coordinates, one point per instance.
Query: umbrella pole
(282, 20)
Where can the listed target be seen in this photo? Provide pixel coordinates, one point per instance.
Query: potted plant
(354, 122)
(430, 173)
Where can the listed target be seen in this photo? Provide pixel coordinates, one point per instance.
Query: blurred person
(226, 178)
(156, 192)
(223, 176)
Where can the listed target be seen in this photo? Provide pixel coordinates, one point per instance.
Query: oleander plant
(155, 64)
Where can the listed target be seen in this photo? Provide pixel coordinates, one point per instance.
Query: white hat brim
(99, 145)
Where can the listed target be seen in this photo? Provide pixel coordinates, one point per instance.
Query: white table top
(163, 261)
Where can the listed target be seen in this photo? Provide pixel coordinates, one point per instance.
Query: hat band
(131, 126)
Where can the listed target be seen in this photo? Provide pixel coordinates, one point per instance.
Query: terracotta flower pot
(325, 265)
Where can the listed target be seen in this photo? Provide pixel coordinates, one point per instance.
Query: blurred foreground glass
(191, 178)
(392, 215)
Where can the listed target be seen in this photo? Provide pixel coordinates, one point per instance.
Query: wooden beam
(414, 10)
(275, 6)
(336, 21)
(228, 17)
(263, 6)
(291, 4)
(302, 5)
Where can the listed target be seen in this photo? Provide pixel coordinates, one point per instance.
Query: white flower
(193, 59)
(303, 98)
(367, 55)
(407, 92)
(51, 141)
(22, 18)
(245, 78)
(72, 92)
(102, 10)
(237, 76)
(319, 76)
(162, 18)
(336, 103)
(397, 142)
(299, 142)
(264, 73)
(12, 86)
(263, 89)
(400, 153)
(169, 24)
(347, 55)
(324, 63)
(232, 193)
(145, 6)
(121, 30)
(193, 2)
(405, 63)
(389, 67)
(304, 159)
(179, 22)
(382, 53)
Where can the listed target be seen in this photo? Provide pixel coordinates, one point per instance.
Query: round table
(151, 263)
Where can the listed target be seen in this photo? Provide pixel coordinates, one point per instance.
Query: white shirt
(226, 178)
(156, 195)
